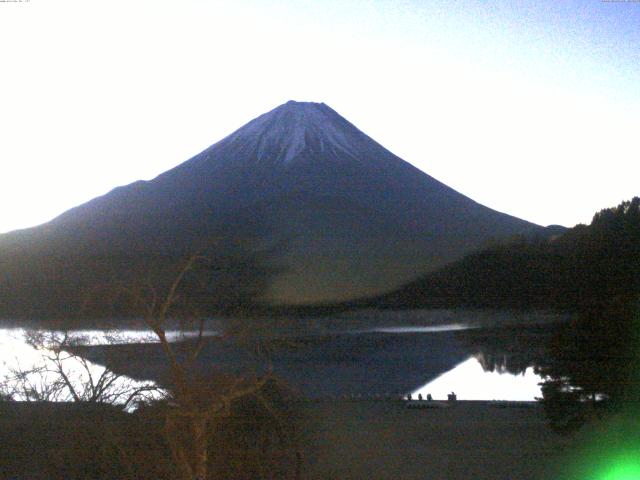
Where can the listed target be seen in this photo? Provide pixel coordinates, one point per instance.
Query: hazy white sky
(531, 108)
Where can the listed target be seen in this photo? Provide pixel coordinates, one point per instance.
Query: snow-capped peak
(284, 133)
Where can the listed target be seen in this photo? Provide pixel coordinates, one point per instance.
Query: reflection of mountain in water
(319, 359)
(316, 366)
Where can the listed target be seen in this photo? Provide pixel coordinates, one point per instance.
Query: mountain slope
(332, 215)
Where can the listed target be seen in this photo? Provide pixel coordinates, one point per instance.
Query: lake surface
(447, 327)
(357, 354)
(469, 381)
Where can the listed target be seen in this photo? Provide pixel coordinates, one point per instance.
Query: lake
(438, 353)
(469, 381)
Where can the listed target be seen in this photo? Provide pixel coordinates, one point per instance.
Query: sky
(530, 107)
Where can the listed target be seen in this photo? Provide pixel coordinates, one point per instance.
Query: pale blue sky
(532, 108)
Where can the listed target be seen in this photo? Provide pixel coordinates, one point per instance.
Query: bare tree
(199, 400)
(62, 375)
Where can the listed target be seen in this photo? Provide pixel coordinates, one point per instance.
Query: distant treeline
(570, 271)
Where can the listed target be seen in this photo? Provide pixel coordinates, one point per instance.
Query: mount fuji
(333, 215)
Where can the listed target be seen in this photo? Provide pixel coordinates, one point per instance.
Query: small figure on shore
(408, 396)
(420, 396)
(452, 397)
(429, 397)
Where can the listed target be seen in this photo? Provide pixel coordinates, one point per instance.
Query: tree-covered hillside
(569, 271)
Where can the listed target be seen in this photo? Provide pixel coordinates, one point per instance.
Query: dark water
(479, 360)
